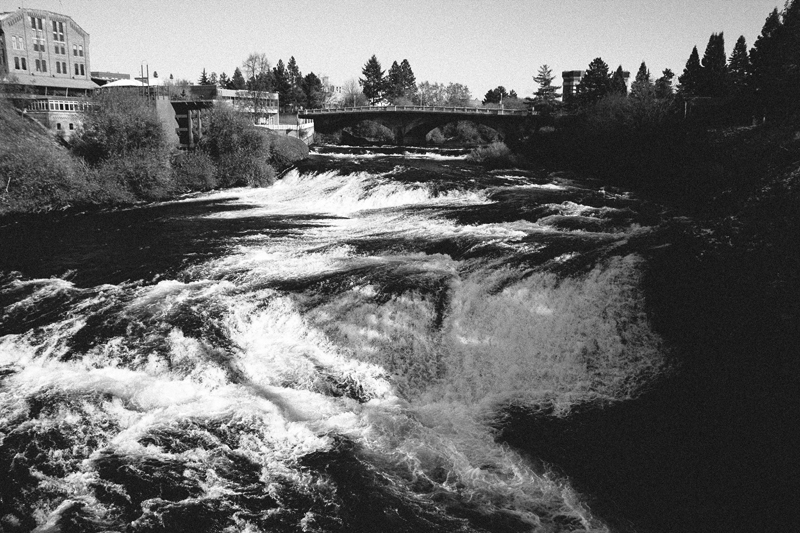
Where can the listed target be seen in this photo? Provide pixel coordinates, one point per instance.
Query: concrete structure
(263, 106)
(45, 57)
(411, 124)
(572, 78)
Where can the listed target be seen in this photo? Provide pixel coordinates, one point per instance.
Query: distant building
(101, 78)
(572, 78)
(263, 106)
(45, 57)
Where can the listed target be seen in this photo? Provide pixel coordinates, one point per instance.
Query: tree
(204, 78)
(296, 96)
(373, 83)
(495, 96)
(595, 84)
(618, 85)
(237, 81)
(353, 96)
(545, 99)
(642, 87)
(313, 91)
(223, 81)
(394, 82)
(281, 84)
(409, 81)
(431, 94)
(714, 78)
(690, 80)
(212, 80)
(255, 66)
(663, 85)
(457, 95)
(155, 74)
(739, 66)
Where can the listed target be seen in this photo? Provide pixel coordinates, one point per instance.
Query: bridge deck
(415, 109)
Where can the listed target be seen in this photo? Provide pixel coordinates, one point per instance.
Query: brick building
(45, 58)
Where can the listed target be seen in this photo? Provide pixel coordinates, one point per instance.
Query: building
(572, 78)
(263, 106)
(101, 78)
(45, 57)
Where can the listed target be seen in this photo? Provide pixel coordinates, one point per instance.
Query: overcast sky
(481, 44)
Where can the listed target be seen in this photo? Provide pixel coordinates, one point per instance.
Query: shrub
(436, 137)
(117, 123)
(194, 171)
(145, 173)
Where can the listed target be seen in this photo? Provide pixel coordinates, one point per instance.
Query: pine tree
(295, 95)
(237, 81)
(714, 79)
(595, 84)
(545, 99)
(313, 90)
(394, 82)
(739, 66)
(280, 79)
(409, 80)
(223, 81)
(495, 96)
(373, 83)
(642, 87)
(690, 80)
(663, 85)
(203, 78)
(618, 85)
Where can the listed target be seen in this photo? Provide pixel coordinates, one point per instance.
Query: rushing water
(332, 353)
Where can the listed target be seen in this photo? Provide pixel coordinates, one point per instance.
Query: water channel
(384, 340)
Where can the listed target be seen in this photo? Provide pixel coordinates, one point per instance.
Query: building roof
(47, 81)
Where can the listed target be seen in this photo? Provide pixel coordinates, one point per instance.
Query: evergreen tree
(313, 90)
(595, 84)
(714, 79)
(545, 99)
(690, 80)
(280, 80)
(373, 83)
(394, 83)
(765, 63)
(212, 80)
(618, 85)
(495, 96)
(663, 85)
(642, 87)
(204, 78)
(296, 96)
(409, 80)
(237, 81)
(223, 81)
(739, 66)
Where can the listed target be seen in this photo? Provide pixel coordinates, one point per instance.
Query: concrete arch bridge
(411, 124)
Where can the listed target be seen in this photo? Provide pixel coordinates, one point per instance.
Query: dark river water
(382, 341)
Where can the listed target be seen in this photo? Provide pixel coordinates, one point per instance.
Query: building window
(58, 125)
(44, 65)
(64, 68)
(38, 66)
(80, 50)
(75, 50)
(71, 126)
(58, 67)
(24, 64)
(13, 42)
(83, 73)
(76, 69)
(16, 63)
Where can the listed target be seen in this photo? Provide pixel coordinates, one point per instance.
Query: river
(347, 350)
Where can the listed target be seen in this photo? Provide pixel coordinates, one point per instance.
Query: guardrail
(419, 108)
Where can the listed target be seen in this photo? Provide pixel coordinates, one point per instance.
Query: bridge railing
(419, 108)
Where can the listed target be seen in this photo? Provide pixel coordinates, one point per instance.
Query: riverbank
(724, 295)
(121, 163)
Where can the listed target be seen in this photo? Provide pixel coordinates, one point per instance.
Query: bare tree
(258, 73)
(353, 95)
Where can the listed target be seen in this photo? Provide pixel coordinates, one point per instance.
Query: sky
(479, 43)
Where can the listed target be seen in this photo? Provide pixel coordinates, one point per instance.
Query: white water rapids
(343, 375)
